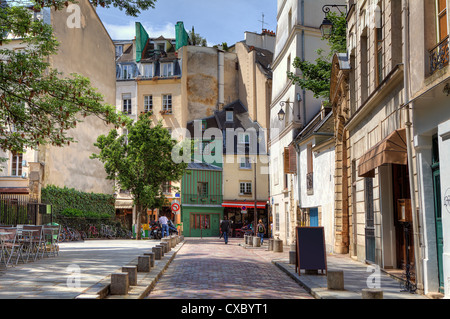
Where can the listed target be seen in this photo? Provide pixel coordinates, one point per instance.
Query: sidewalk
(81, 268)
(356, 275)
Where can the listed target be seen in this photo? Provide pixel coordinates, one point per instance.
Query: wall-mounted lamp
(281, 115)
(327, 26)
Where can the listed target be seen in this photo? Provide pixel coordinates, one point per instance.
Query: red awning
(240, 204)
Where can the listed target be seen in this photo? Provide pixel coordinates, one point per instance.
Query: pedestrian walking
(260, 230)
(164, 222)
(225, 228)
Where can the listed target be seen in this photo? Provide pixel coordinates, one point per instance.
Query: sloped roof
(203, 166)
(317, 125)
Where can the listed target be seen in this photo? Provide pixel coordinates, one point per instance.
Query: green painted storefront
(201, 200)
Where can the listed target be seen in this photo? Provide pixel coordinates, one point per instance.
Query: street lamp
(281, 115)
(327, 26)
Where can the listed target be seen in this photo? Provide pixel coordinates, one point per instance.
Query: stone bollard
(335, 279)
(173, 241)
(270, 244)
(132, 274)
(166, 245)
(372, 293)
(162, 249)
(119, 284)
(256, 241)
(157, 250)
(245, 239)
(250, 240)
(143, 264)
(278, 246)
(152, 258)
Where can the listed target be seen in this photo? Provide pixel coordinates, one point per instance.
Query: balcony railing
(439, 56)
(201, 199)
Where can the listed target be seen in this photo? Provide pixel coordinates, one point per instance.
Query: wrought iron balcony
(439, 56)
(199, 199)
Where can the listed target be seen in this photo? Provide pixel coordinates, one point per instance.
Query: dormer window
(166, 69)
(147, 70)
(229, 116)
(119, 50)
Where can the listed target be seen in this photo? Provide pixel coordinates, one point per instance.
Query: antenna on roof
(262, 22)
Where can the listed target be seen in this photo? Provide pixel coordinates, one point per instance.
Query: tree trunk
(138, 221)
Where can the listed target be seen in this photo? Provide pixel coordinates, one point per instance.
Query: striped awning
(240, 204)
(391, 150)
(123, 204)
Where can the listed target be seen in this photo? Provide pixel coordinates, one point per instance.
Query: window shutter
(286, 160)
(290, 160)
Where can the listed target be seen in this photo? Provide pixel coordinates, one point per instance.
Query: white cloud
(128, 31)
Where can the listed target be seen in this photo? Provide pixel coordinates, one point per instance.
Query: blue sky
(216, 20)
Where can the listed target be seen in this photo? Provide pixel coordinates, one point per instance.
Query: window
(379, 46)
(243, 138)
(229, 116)
(364, 85)
(208, 148)
(166, 189)
(16, 164)
(277, 217)
(167, 103)
(125, 133)
(148, 70)
(202, 189)
(166, 69)
(441, 7)
(275, 171)
(148, 103)
(245, 163)
(245, 188)
(286, 211)
(126, 103)
(288, 67)
(127, 72)
(310, 166)
(119, 50)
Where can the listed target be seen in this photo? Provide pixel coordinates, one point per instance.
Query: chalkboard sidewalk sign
(310, 249)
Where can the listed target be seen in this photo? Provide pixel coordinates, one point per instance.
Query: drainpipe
(408, 124)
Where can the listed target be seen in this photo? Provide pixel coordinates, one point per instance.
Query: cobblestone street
(209, 269)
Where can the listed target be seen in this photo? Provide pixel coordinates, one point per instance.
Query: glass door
(438, 210)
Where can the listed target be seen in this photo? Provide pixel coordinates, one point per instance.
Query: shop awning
(123, 204)
(240, 204)
(391, 150)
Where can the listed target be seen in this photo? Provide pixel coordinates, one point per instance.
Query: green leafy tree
(140, 162)
(37, 104)
(196, 39)
(315, 77)
(132, 7)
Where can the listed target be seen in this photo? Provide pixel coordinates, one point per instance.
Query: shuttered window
(441, 19)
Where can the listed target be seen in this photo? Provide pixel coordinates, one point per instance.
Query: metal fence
(20, 209)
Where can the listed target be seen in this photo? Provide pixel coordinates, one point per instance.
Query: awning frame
(391, 150)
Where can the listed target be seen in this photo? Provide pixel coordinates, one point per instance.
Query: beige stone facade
(88, 50)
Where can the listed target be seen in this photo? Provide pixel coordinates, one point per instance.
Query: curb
(314, 290)
(145, 280)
